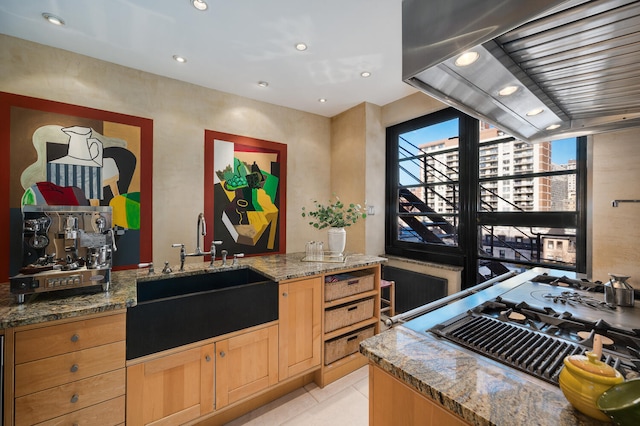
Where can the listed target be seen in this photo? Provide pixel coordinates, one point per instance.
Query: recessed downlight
(53, 19)
(508, 90)
(467, 58)
(179, 58)
(536, 111)
(365, 74)
(263, 84)
(200, 5)
(322, 100)
(553, 127)
(301, 47)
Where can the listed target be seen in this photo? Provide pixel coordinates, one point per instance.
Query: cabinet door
(172, 389)
(300, 320)
(246, 364)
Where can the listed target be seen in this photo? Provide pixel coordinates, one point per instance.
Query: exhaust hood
(574, 64)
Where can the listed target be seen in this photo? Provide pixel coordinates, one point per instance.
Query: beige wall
(615, 231)
(180, 113)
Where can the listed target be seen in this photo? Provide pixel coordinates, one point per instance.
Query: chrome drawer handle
(75, 338)
(222, 354)
(74, 368)
(284, 294)
(207, 358)
(75, 398)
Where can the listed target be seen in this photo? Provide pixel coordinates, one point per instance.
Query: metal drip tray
(530, 351)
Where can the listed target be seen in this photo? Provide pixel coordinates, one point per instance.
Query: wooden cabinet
(392, 402)
(70, 372)
(246, 364)
(300, 326)
(171, 389)
(351, 313)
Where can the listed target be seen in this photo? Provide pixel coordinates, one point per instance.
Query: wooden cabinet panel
(54, 402)
(300, 326)
(391, 402)
(108, 413)
(172, 389)
(246, 364)
(54, 340)
(49, 372)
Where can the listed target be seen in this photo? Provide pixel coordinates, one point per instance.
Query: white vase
(337, 240)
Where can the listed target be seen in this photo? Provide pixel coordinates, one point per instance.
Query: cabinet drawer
(54, 402)
(108, 413)
(54, 340)
(343, 285)
(348, 344)
(49, 372)
(342, 316)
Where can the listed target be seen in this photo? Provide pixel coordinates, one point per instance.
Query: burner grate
(527, 350)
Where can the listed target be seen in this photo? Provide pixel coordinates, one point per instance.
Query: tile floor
(343, 402)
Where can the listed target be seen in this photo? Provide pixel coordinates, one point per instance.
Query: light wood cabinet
(68, 371)
(171, 389)
(345, 294)
(246, 364)
(300, 326)
(392, 402)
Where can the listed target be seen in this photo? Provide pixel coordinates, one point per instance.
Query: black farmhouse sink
(179, 310)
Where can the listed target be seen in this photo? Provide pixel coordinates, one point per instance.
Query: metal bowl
(621, 402)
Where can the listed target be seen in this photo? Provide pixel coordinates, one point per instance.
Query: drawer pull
(207, 358)
(284, 294)
(222, 354)
(74, 398)
(353, 282)
(74, 368)
(353, 308)
(75, 338)
(352, 338)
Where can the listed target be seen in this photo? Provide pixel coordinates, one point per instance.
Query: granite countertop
(479, 390)
(51, 306)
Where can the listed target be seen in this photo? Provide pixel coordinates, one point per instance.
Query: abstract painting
(245, 193)
(105, 157)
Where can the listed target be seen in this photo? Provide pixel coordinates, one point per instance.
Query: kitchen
(181, 111)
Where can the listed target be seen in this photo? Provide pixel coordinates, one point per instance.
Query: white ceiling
(235, 44)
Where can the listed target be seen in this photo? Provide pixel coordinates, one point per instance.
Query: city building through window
(464, 191)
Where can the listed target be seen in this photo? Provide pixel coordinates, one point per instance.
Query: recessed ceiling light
(263, 84)
(301, 47)
(535, 112)
(467, 58)
(365, 74)
(55, 20)
(180, 59)
(200, 4)
(553, 127)
(508, 90)
(322, 100)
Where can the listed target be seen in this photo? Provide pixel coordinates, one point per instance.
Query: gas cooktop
(535, 325)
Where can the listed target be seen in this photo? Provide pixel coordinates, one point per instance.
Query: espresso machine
(64, 247)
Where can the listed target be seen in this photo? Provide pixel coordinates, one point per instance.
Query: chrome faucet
(183, 254)
(199, 232)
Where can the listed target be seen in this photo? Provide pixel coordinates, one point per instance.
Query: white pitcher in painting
(82, 147)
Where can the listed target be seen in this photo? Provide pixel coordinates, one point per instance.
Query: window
(456, 203)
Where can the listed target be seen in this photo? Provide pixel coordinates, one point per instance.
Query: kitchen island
(450, 382)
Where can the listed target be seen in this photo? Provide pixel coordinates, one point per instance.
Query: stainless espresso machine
(64, 247)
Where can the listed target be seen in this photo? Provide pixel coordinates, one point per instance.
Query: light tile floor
(343, 402)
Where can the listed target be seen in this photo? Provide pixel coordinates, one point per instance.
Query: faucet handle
(177, 245)
(147, 265)
(235, 258)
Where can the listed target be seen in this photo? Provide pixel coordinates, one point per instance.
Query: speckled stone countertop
(122, 290)
(479, 390)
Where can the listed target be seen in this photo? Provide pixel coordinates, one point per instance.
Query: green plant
(335, 214)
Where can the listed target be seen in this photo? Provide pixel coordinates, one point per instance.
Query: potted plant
(336, 216)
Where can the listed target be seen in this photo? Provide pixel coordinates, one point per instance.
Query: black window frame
(465, 254)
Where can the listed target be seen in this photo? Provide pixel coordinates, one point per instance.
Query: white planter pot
(337, 240)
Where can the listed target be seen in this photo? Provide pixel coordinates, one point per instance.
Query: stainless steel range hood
(577, 60)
